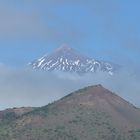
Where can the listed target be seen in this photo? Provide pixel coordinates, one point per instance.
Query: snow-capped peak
(69, 60)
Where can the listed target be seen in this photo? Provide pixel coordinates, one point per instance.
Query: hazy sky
(103, 29)
(20, 87)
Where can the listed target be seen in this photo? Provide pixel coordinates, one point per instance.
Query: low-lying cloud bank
(22, 87)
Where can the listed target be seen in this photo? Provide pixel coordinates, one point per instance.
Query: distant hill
(67, 59)
(92, 113)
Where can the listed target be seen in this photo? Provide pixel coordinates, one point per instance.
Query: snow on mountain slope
(67, 59)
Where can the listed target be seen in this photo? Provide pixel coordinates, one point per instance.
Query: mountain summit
(65, 48)
(67, 59)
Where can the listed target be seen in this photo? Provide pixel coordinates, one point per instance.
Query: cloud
(55, 20)
(64, 21)
(20, 87)
(18, 24)
(34, 20)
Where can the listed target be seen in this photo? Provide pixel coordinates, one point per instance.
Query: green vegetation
(134, 134)
(80, 121)
(71, 119)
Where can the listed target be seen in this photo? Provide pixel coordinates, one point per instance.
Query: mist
(24, 87)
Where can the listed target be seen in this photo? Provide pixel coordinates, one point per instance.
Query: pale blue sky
(103, 29)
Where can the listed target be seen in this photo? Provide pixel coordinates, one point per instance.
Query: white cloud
(29, 88)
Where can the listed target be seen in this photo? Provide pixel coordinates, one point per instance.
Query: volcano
(67, 59)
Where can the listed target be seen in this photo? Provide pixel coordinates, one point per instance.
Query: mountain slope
(11, 114)
(87, 114)
(67, 59)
